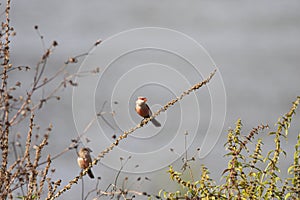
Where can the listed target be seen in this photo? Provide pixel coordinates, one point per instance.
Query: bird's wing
(150, 112)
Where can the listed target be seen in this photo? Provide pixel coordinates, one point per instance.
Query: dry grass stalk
(126, 133)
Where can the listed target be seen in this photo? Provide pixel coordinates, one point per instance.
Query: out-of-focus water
(255, 46)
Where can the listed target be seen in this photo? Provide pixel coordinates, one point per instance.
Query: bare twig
(126, 133)
(93, 190)
(75, 142)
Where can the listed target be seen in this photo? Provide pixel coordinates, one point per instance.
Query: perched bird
(84, 159)
(144, 111)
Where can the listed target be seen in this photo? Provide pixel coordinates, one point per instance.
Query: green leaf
(272, 133)
(290, 169)
(287, 195)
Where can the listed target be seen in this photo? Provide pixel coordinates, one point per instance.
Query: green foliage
(249, 174)
(25, 197)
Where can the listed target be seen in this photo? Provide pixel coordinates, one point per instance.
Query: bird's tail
(155, 122)
(90, 173)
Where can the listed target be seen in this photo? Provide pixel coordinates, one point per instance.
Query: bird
(84, 159)
(144, 111)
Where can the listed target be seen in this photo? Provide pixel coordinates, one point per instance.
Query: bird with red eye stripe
(144, 111)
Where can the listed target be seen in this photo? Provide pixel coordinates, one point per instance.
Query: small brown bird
(144, 111)
(84, 159)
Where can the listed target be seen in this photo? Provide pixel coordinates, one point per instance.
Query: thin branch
(93, 190)
(35, 85)
(14, 68)
(120, 170)
(82, 189)
(74, 141)
(102, 117)
(126, 133)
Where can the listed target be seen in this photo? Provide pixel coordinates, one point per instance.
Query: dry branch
(126, 133)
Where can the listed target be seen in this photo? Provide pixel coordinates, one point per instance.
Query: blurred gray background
(255, 46)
